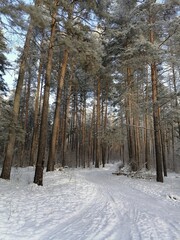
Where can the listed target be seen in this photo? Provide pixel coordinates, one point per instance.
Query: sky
(13, 42)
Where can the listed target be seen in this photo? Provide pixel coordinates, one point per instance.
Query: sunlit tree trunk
(38, 178)
(55, 129)
(12, 131)
(34, 144)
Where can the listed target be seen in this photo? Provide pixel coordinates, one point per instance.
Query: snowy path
(137, 213)
(122, 210)
(89, 205)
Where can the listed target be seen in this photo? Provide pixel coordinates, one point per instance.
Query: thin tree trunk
(156, 118)
(38, 178)
(68, 108)
(76, 125)
(64, 132)
(137, 141)
(55, 129)
(91, 137)
(129, 121)
(173, 149)
(6, 171)
(97, 163)
(34, 144)
(84, 130)
(66, 121)
(25, 145)
(104, 143)
(163, 153)
(156, 114)
(147, 132)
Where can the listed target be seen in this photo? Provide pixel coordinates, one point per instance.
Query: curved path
(121, 208)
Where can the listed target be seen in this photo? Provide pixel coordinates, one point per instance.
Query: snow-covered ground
(89, 204)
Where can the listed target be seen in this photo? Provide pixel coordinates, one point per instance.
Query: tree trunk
(147, 135)
(129, 121)
(64, 132)
(137, 142)
(34, 144)
(156, 118)
(163, 153)
(38, 178)
(76, 125)
(104, 142)
(91, 137)
(97, 162)
(6, 171)
(84, 130)
(156, 113)
(66, 121)
(25, 145)
(55, 129)
(173, 149)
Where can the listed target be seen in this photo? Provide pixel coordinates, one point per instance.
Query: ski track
(90, 205)
(129, 204)
(119, 212)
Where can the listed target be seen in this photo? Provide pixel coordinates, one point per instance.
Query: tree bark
(34, 144)
(147, 135)
(129, 121)
(104, 142)
(156, 113)
(23, 150)
(6, 171)
(97, 162)
(156, 119)
(38, 178)
(55, 129)
(84, 130)
(163, 153)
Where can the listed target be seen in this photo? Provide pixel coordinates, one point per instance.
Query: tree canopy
(96, 81)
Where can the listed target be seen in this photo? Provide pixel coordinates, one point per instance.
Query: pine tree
(3, 63)
(12, 134)
(38, 178)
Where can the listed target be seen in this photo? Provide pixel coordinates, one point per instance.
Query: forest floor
(89, 204)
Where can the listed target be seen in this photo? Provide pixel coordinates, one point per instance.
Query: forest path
(88, 204)
(121, 209)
